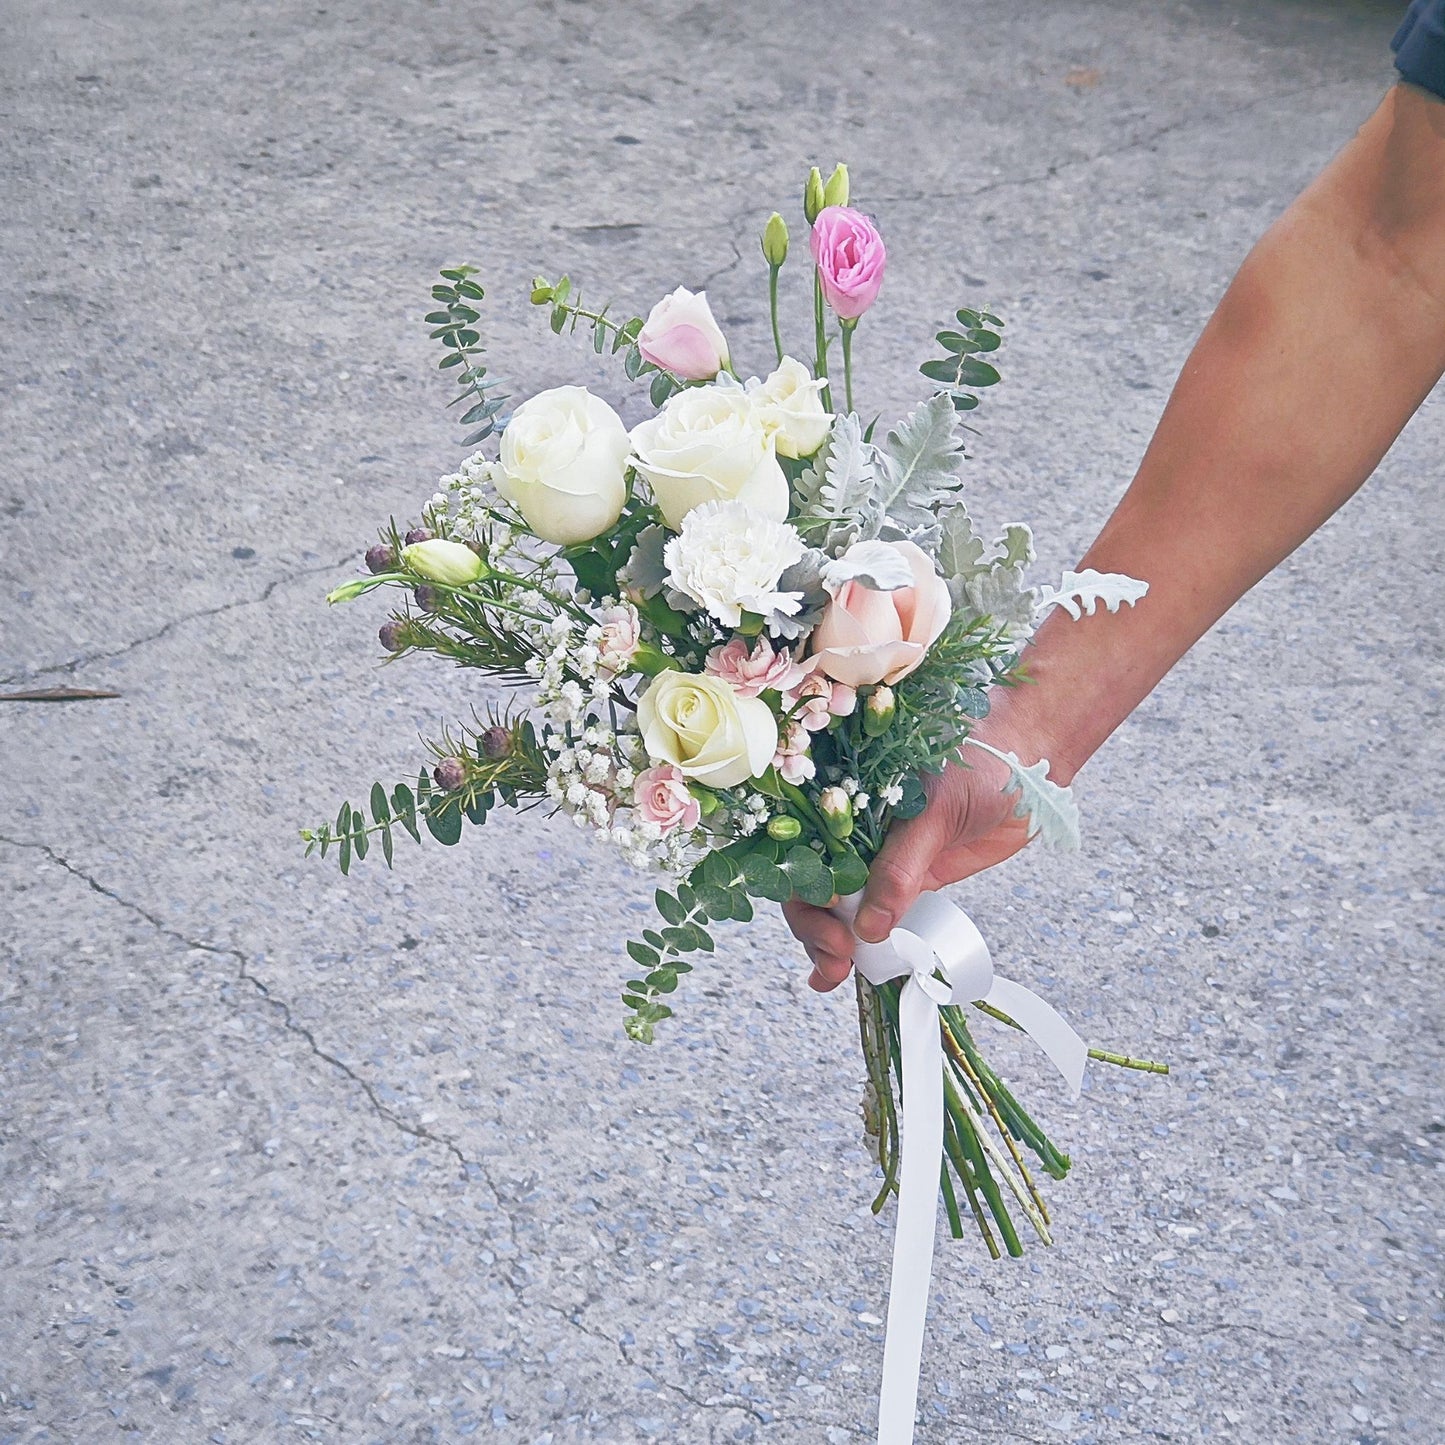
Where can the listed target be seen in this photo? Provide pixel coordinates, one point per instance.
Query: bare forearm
(1329, 338)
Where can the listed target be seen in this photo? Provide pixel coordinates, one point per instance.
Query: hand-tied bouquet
(750, 627)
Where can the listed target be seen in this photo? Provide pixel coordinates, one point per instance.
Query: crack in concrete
(1138, 143)
(165, 629)
(469, 1167)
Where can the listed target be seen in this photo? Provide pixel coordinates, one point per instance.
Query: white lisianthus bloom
(708, 444)
(790, 406)
(563, 463)
(706, 729)
(728, 558)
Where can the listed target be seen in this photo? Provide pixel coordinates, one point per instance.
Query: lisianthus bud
(496, 742)
(380, 558)
(813, 201)
(837, 810)
(878, 711)
(450, 774)
(775, 240)
(783, 829)
(393, 635)
(452, 563)
(835, 193)
(418, 534)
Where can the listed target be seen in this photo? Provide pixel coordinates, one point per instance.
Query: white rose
(708, 445)
(563, 463)
(728, 558)
(706, 729)
(790, 407)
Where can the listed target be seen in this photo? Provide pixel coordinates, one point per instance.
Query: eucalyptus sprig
(455, 328)
(567, 312)
(961, 368)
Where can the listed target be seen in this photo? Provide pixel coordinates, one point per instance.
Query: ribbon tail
(917, 1213)
(1046, 1027)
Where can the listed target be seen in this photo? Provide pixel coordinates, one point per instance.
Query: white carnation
(728, 558)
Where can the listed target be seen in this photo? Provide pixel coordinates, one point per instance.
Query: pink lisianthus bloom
(661, 797)
(822, 700)
(867, 636)
(753, 673)
(681, 335)
(850, 257)
(620, 635)
(792, 760)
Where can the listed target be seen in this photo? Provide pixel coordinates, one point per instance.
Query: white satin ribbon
(935, 936)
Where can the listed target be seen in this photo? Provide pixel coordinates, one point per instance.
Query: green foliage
(520, 774)
(918, 464)
(454, 325)
(961, 371)
(566, 312)
(833, 491)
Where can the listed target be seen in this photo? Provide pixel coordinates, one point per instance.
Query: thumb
(895, 878)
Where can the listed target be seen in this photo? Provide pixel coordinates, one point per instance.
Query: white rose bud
(791, 409)
(563, 464)
(438, 560)
(708, 731)
(708, 444)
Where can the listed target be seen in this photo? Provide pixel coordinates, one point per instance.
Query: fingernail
(872, 924)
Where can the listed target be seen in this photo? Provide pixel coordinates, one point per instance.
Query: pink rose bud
(662, 797)
(681, 336)
(850, 257)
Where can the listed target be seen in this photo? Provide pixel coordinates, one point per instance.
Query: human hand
(967, 826)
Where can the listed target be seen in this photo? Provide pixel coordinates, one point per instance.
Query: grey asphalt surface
(291, 1157)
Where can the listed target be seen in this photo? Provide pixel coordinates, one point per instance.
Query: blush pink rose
(867, 636)
(850, 257)
(681, 335)
(752, 673)
(661, 796)
(822, 700)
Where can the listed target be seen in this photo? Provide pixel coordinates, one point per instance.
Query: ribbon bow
(935, 936)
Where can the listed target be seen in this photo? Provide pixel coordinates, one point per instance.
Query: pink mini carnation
(822, 700)
(661, 796)
(792, 760)
(850, 257)
(752, 673)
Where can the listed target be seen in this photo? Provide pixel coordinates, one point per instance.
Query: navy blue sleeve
(1419, 46)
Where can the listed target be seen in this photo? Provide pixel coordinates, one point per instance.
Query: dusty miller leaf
(837, 486)
(918, 465)
(874, 564)
(1079, 593)
(960, 549)
(1052, 813)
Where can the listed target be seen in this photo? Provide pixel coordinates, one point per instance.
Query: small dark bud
(427, 598)
(418, 534)
(478, 547)
(496, 743)
(393, 635)
(380, 558)
(450, 774)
